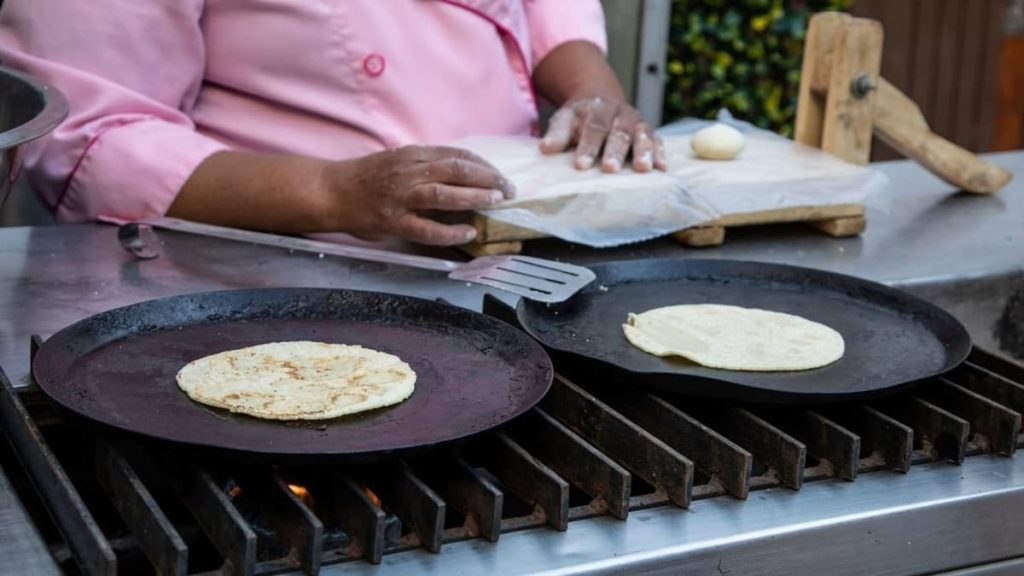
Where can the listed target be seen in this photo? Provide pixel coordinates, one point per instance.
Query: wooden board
(810, 114)
(839, 220)
(829, 115)
(847, 129)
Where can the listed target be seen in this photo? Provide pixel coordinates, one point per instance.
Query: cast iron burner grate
(110, 505)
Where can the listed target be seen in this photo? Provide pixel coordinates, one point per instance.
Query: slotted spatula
(533, 278)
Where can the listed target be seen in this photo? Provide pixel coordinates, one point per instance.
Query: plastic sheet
(603, 210)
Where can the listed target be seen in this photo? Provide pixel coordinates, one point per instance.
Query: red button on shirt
(374, 64)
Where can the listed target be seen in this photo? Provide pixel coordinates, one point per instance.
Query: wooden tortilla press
(844, 101)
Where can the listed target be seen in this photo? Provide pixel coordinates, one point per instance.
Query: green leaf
(741, 54)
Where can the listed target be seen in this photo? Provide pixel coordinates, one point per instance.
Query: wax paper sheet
(603, 210)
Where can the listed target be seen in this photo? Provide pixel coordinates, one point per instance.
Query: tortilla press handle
(138, 239)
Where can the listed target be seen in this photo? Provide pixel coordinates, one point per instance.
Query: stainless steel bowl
(28, 110)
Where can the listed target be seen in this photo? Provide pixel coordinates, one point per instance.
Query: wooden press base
(494, 237)
(837, 221)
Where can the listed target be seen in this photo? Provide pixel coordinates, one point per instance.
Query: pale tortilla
(735, 338)
(298, 380)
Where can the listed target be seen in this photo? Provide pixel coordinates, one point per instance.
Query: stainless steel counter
(875, 525)
(53, 276)
(919, 229)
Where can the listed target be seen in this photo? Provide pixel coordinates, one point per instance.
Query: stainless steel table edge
(969, 514)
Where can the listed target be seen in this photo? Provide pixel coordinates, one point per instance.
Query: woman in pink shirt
(302, 116)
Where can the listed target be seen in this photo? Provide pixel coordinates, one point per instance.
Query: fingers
(617, 146)
(455, 166)
(435, 196)
(660, 160)
(418, 229)
(408, 155)
(643, 147)
(607, 129)
(595, 125)
(464, 172)
(416, 153)
(561, 128)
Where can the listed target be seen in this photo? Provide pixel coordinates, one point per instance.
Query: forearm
(385, 194)
(573, 70)
(275, 193)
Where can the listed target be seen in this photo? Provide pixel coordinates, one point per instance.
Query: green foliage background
(744, 55)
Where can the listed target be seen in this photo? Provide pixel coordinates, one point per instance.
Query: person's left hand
(597, 123)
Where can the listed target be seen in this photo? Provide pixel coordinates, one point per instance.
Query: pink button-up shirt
(157, 86)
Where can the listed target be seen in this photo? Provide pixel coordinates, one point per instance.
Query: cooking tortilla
(735, 338)
(298, 380)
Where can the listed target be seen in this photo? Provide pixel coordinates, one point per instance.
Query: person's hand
(393, 193)
(596, 123)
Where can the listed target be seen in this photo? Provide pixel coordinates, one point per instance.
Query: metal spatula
(533, 278)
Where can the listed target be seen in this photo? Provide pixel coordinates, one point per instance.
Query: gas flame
(373, 497)
(302, 493)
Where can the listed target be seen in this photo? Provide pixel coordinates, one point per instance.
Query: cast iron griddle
(118, 368)
(892, 338)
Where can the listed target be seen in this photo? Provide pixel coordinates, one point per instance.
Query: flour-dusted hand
(593, 114)
(607, 128)
(393, 193)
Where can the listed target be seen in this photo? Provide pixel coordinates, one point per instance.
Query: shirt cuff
(133, 171)
(554, 22)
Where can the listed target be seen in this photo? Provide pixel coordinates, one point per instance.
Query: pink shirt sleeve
(554, 22)
(131, 73)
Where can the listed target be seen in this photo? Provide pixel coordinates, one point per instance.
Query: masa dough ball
(717, 142)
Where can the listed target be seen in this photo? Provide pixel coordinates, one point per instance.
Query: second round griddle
(118, 368)
(892, 338)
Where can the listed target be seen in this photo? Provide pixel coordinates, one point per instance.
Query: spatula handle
(301, 244)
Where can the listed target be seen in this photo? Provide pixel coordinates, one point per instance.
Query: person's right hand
(392, 193)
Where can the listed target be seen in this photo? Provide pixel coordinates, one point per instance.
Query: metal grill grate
(587, 450)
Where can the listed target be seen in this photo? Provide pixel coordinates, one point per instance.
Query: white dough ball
(717, 142)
